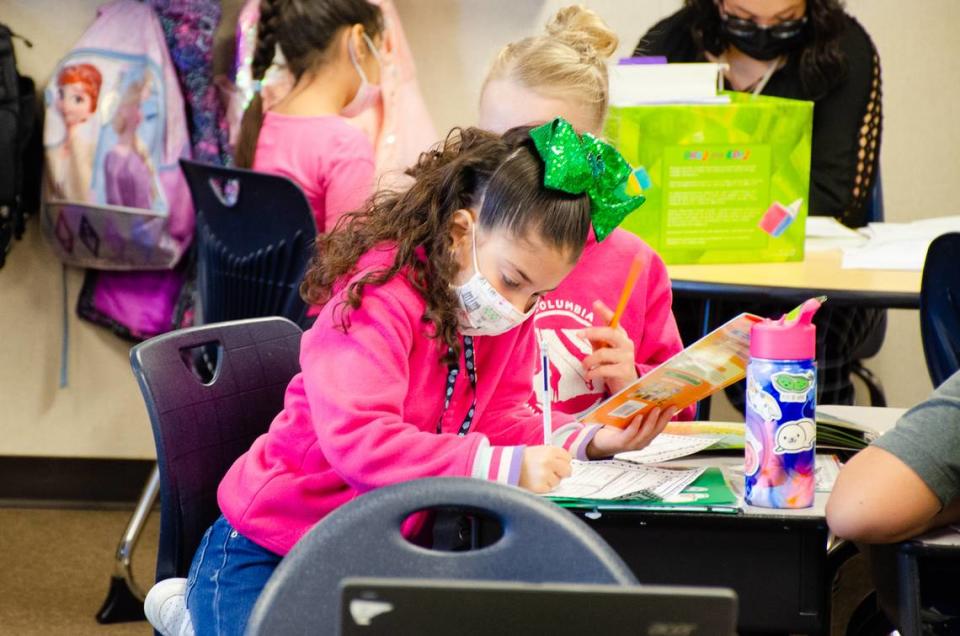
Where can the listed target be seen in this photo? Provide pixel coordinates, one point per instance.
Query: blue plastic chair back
(541, 542)
(875, 212)
(940, 307)
(201, 428)
(255, 238)
(875, 319)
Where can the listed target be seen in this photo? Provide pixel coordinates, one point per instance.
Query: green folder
(709, 493)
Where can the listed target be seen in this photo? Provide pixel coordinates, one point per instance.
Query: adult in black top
(827, 58)
(801, 49)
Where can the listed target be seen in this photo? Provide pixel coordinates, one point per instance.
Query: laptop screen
(431, 607)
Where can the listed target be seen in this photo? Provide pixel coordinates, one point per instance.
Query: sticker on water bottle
(752, 453)
(795, 436)
(793, 387)
(762, 403)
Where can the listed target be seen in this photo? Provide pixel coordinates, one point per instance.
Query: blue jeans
(226, 577)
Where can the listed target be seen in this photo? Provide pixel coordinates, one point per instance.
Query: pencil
(628, 286)
(547, 416)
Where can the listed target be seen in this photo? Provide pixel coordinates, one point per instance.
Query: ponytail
(263, 56)
(304, 30)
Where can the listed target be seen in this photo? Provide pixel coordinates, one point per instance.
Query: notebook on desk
(431, 607)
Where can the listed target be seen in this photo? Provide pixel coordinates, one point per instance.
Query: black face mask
(761, 44)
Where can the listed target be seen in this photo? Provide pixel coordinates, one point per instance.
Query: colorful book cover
(715, 361)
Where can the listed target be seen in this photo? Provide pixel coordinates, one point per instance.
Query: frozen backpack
(114, 129)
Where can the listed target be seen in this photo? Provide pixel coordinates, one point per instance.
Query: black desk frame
(778, 566)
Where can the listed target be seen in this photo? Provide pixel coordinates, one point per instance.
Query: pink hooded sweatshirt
(364, 411)
(647, 319)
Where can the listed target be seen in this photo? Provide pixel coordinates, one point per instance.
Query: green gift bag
(729, 182)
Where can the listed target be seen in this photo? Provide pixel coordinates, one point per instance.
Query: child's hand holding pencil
(613, 358)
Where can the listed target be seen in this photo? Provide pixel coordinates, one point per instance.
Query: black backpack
(21, 151)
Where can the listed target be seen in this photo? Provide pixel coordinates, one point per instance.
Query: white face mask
(368, 94)
(483, 310)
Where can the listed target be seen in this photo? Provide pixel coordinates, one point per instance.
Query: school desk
(776, 560)
(818, 274)
(939, 549)
(791, 283)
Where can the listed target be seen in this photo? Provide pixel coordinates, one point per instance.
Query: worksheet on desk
(665, 447)
(612, 479)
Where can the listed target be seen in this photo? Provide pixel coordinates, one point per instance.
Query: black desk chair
(254, 240)
(540, 543)
(255, 237)
(940, 307)
(200, 427)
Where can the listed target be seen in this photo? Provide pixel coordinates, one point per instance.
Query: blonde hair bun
(583, 30)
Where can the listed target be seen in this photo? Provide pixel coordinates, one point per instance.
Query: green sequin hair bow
(578, 164)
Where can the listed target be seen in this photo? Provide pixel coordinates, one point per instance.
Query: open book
(715, 361)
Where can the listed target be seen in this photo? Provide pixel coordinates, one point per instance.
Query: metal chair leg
(124, 600)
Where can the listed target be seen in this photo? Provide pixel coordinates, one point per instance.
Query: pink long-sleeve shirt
(648, 317)
(326, 156)
(363, 413)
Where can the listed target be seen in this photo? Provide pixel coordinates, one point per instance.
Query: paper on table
(665, 447)
(730, 433)
(826, 469)
(901, 255)
(612, 479)
(898, 246)
(829, 227)
(826, 233)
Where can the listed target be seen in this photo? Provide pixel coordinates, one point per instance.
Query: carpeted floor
(55, 568)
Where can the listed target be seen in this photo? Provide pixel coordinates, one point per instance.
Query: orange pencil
(628, 285)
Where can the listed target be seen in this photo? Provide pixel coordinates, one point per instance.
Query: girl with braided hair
(330, 48)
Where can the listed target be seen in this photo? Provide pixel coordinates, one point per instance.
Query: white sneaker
(166, 608)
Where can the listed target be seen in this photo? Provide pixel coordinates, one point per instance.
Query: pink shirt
(647, 319)
(326, 156)
(363, 413)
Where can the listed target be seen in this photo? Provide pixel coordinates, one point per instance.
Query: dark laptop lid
(428, 607)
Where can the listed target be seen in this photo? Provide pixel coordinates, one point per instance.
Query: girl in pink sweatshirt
(420, 361)
(563, 73)
(331, 50)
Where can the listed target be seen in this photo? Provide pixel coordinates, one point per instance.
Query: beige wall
(100, 414)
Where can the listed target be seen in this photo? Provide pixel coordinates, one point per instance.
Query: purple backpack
(115, 199)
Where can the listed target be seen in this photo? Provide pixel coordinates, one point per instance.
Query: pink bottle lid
(792, 337)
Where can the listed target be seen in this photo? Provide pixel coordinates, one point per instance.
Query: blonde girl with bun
(563, 70)
(563, 73)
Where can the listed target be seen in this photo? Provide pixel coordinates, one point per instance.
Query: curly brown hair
(500, 177)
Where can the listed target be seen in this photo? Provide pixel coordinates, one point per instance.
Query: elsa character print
(127, 169)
